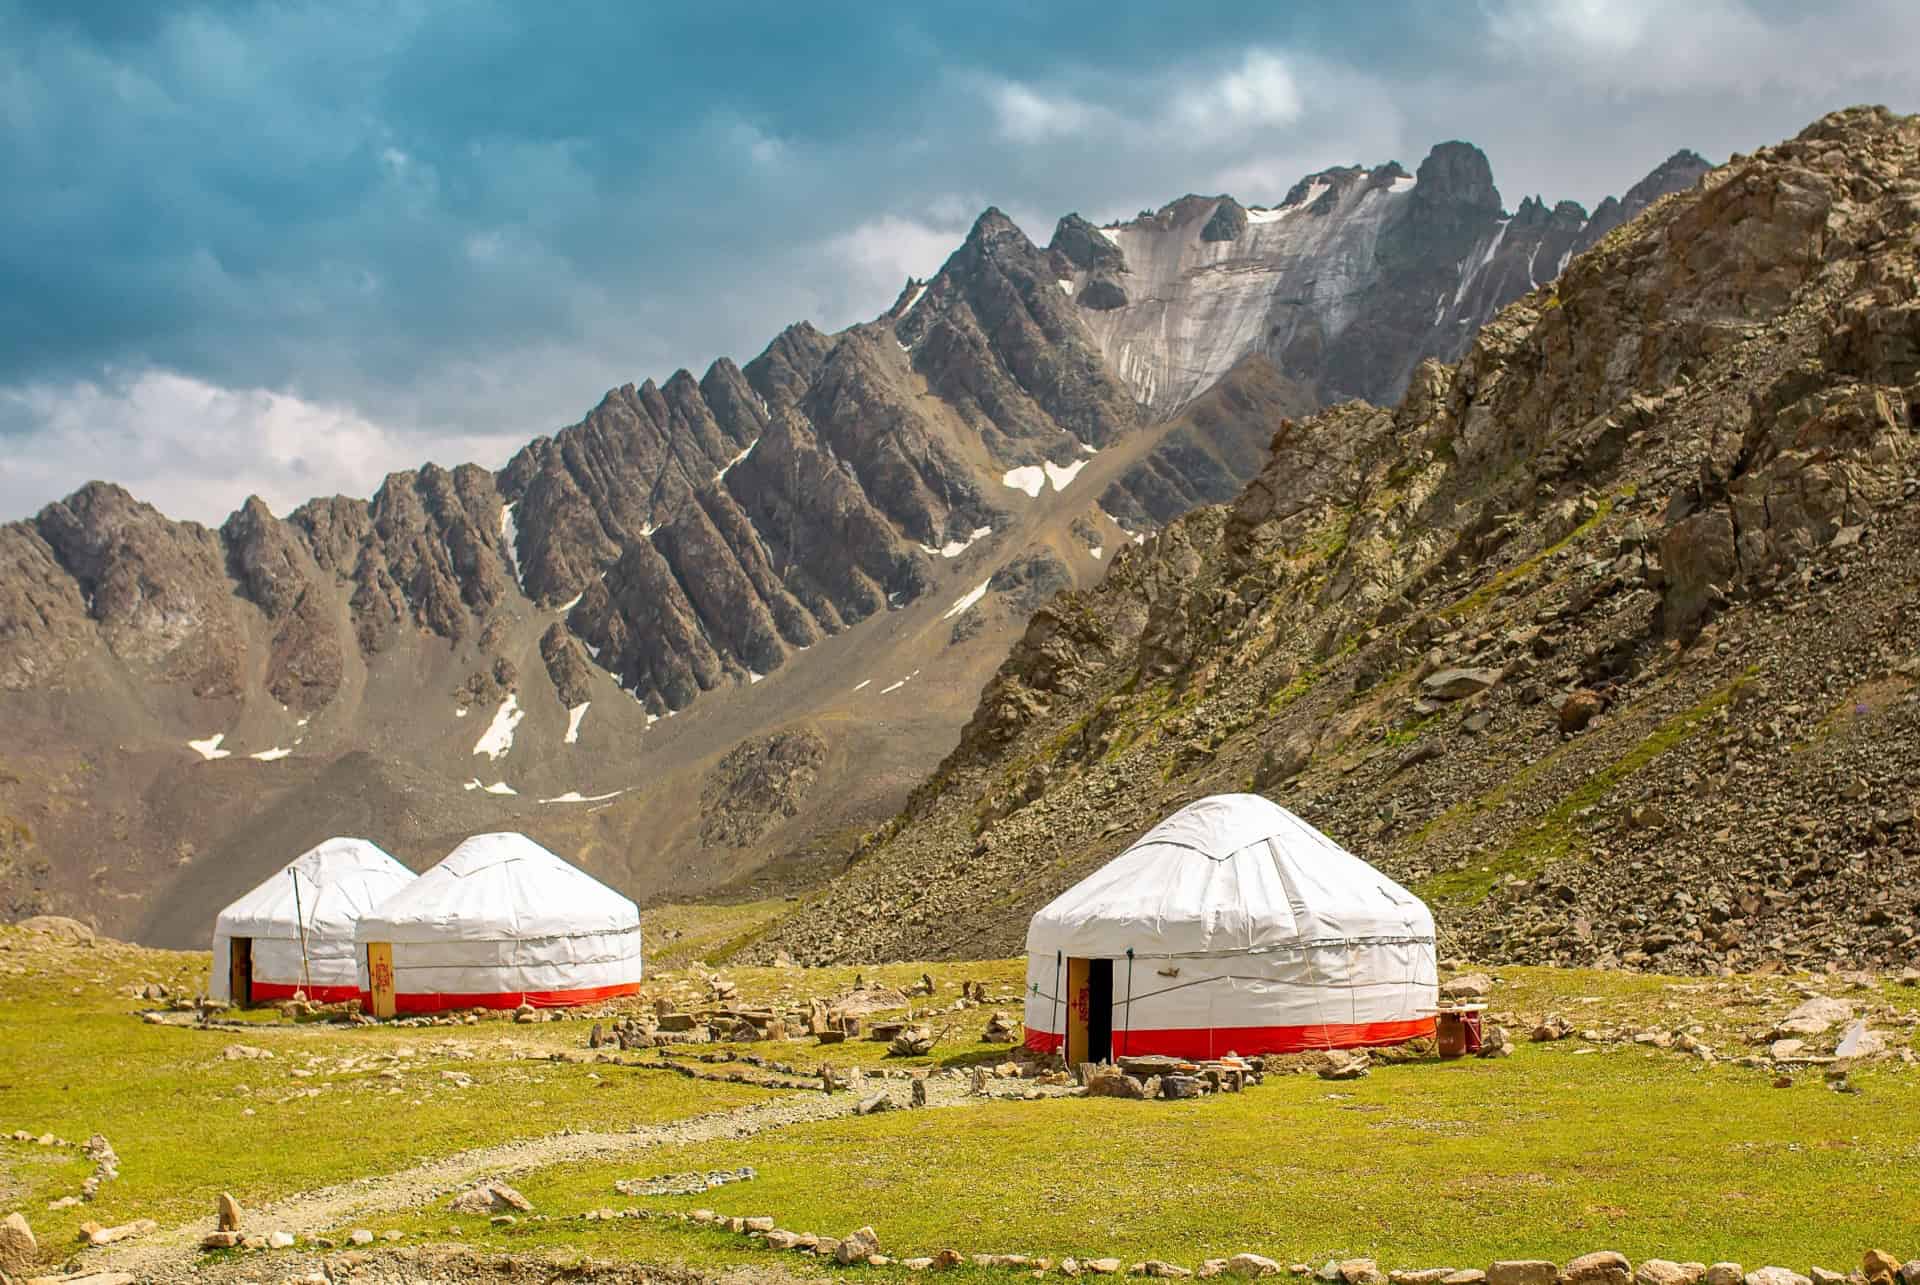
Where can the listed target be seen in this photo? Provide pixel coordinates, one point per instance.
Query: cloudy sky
(284, 248)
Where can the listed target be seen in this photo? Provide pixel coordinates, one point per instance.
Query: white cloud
(882, 253)
(1259, 93)
(1027, 115)
(196, 450)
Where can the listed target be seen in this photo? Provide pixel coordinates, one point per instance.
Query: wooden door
(380, 977)
(1078, 1005)
(240, 970)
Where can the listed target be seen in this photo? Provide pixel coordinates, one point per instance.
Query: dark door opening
(1099, 1010)
(240, 971)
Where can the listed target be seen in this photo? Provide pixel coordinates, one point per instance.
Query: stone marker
(226, 1213)
(17, 1245)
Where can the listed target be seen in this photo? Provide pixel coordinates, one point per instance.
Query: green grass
(707, 933)
(1487, 592)
(1551, 1153)
(1555, 836)
(176, 1110)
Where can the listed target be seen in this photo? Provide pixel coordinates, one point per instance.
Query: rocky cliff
(829, 547)
(1602, 638)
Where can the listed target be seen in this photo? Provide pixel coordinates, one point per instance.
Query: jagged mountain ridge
(1602, 639)
(698, 536)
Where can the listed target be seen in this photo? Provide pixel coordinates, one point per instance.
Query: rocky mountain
(772, 591)
(1603, 638)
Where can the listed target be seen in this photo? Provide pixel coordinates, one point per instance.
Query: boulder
(1580, 709)
(1115, 1084)
(1458, 684)
(1252, 1265)
(857, 1247)
(1776, 1276)
(18, 1248)
(1467, 987)
(1522, 1271)
(1816, 1016)
(1879, 1267)
(490, 1198)
(1604, 1267)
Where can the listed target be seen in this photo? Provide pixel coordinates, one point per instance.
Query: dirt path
(171, 1251)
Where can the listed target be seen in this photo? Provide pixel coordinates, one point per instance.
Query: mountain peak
(1457, 173)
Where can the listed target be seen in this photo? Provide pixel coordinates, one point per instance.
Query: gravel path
(170, 1253)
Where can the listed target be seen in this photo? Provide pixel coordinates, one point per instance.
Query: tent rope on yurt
(1268, 919)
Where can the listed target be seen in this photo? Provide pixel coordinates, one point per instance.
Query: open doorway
(1089, 1010)
(240, 971)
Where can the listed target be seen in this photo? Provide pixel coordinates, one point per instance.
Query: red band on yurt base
(427, 1003)
(1206, 1042)
(261, 992)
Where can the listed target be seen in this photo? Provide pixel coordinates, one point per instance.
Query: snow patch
(570, 603)
(1089, 450)
(729, 464)
(1112, 234)
(1066, 286)
(896, 687)
(268, 756)
(1029, 478)
(954, 548)
(1403, 184)
(574, 796)
(498, 787)
(862, 683)
(574, 716)
(209, 749)
(914, 302)
(651, 718)
(498, 738)
(1098, 551)
(1063, 475)
(460, 713)
(303, 722)
(966, 600)
(754, 677)
(510, 536)
(1270, 216)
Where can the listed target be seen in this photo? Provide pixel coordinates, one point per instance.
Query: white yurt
(1231, 927)
(257, 941)
(499, 922)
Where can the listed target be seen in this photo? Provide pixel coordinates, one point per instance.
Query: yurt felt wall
(1232, 926)
(325, 890)
(499, 922)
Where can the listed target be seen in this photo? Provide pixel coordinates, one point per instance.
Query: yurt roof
(339, 880)
(500, 887)
(1230, 874)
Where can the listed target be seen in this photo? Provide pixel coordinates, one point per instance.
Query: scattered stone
(874, 1105)
(1252, 1265)
(1580, 709)
(95, 1234)
(280, 1240)
(360, 1236)
(246, 1053)
(1522, 1271)
(1661, 1271)
(857, 1247)
(1102, 1266)
(1775, 1276)
(1457, 684)
(1342, 1064)
(220, 1240)
(1816, 1016)
(490, 1198)
(1858, 1041)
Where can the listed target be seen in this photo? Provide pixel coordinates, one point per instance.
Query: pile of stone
(490, 1198)
(683, 1184)
(1167, 1078)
